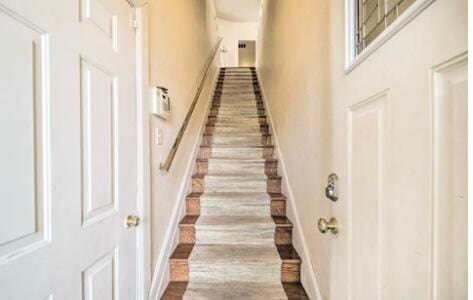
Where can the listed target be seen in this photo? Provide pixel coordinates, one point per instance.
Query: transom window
(373, 17)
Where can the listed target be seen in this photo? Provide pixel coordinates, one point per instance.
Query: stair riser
(224, 272)
(179, 270)
(236, 140)
(237, 111)
(249, 235)
(233, 98)
(252, 104)
(242, 77)
(236, 105)
(211, 129)
(271, 185)
(278, 207)
(212, 120)
(236, 168)
(290, 271)
(249, 207)
(237, 95)
(270, 167)
(207, 152)
(249, 85)
(237, 87)
(282, 235)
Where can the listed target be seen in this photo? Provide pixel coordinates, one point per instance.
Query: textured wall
(293, 62)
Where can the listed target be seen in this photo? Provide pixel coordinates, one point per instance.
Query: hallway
(234, 149)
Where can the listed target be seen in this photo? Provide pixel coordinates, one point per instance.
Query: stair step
(235, 204)
(236, 183)
(254, 120)
(230, 151)
(294, 291)
(282, 234)
(237, 166)
(236, 128)
(193, 203)
(237, 139)
(192, 257)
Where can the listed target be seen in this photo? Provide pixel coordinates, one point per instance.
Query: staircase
(235, 241)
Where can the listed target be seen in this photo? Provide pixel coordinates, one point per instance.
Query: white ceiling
(238, 10)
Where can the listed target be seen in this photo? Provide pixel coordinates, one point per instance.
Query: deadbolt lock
(330, 225)
(331, 191)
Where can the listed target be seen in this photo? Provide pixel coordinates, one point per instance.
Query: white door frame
(143, 241)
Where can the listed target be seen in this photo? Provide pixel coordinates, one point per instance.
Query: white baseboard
(160, 277)
(309, 274)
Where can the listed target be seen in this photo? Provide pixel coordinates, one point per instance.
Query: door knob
(330, 225)
(132, 221)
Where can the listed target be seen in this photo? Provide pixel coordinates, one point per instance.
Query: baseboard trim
(309, 278)
(160, 277)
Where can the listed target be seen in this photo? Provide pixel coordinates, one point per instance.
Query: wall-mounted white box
(160, 102)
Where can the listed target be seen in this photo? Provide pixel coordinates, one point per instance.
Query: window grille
(374, 16)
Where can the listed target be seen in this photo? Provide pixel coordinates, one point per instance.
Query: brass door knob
(132, 221)
(325, 225)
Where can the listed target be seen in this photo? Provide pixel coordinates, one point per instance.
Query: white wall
(293, 62)
(232, 32)
(181, 36)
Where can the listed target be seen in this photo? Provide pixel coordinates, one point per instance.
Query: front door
(400, 138)
(68, 161)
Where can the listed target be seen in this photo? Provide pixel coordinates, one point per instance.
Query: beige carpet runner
(235, 256)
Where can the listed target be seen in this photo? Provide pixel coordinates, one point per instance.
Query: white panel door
(68, 161)
(399, 142)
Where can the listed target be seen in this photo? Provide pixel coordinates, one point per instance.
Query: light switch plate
(159, 136)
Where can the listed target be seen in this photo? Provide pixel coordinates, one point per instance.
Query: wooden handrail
(168, 162)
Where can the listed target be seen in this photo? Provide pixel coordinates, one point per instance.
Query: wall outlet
(159, 136)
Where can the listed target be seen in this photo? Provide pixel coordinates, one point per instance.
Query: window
(373, 17)
(370, 23)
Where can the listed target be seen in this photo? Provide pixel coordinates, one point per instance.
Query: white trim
(159, 280)
(437, 72)
(352, 60)
(313, 290)
(143, 240)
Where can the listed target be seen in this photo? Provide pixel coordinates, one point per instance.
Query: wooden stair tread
(282, 221)
(176, 290)
(189, 221)
(194, 195)
(288, 253)
(182, 252)
(295, 291)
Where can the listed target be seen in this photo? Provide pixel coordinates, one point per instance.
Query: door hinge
(134, 19)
